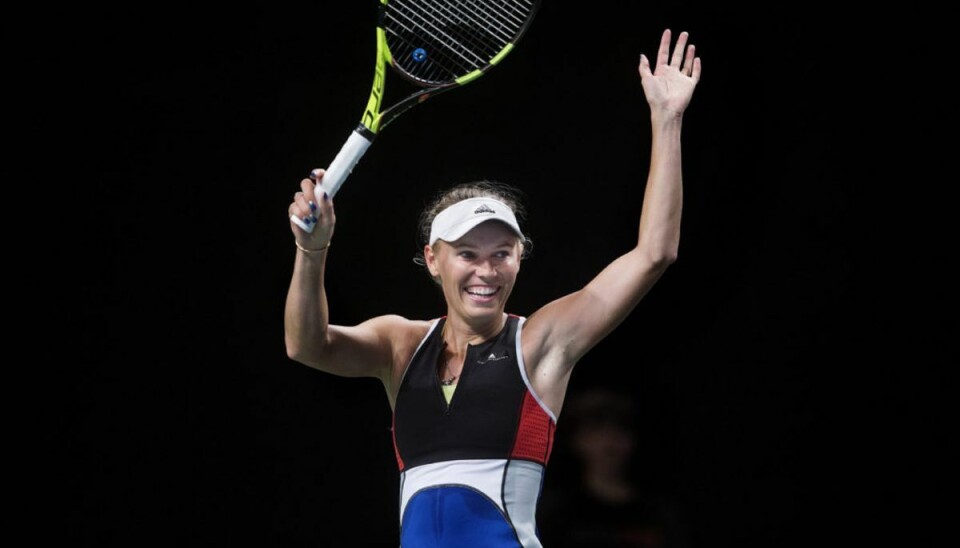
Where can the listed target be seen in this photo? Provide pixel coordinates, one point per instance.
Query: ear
(431, 260)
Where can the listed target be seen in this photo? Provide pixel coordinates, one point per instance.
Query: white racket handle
(338, 170)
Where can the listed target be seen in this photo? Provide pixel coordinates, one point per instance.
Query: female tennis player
(476, 391)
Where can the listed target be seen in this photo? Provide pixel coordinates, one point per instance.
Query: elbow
(294, 350)
(661, 263)
(668, 258)
(297, 350)
(304, 351)
(658, 253)
(662, 259)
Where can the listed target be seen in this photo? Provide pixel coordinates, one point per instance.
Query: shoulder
(396, 321)
(398, 329)
(402, 334)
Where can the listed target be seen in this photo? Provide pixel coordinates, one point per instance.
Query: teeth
(482, 291)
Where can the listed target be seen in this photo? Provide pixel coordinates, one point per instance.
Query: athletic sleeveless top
(471, 471)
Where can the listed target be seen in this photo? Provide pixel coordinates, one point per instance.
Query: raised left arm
(564, 330)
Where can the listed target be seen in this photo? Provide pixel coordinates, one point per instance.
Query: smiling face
(478, 271)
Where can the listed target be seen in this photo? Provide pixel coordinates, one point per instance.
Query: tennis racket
(437, 45)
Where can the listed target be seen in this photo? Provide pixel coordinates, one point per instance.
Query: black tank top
(492, 415)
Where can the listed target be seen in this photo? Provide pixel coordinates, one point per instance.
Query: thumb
(644, 68)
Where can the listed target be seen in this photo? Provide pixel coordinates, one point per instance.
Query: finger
(300, 217)
(664, 50)
(696, 70)
(679, 50)
(306, 227)
(300, 213)
(316, 175)
(313, 193)
(306, 208)
(688, 60)
(304, 203)
(325, 207)
(305, 196)
(305, 211)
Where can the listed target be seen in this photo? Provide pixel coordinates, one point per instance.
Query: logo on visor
(483, 209)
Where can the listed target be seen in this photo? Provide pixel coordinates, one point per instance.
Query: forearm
(604, 302)
(306, 316)
(659, 232)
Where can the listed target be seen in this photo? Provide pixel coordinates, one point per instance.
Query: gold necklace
(446, 362)
(448, 382)
(446, 368)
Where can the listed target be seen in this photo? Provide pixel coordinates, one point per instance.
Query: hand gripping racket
(438, 45)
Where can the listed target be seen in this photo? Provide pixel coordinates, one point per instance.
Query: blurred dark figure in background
(600, 502)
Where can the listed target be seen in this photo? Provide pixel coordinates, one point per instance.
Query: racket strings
(469, 13)
(479, 21)
(456, 58)
(470, 53)
(467, 42)
(413, 31)
(437, 41)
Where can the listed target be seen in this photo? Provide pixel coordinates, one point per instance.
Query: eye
(469, 255)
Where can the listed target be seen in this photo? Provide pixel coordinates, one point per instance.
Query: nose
(486, 269)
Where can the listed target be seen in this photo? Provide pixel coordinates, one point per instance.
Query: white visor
(455, 221)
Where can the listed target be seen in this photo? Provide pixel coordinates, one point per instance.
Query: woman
(476, 393)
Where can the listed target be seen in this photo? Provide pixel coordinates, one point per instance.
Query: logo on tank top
(493, 358)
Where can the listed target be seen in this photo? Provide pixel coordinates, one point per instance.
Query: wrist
(667, 119)
(309, 251)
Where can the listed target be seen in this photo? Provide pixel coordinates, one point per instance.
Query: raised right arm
(364, 350)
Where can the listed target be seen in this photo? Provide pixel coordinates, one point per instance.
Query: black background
(176, 417)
